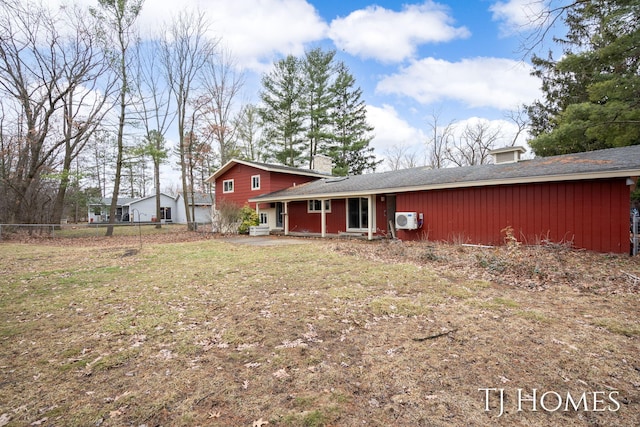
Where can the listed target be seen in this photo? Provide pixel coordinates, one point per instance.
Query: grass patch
(315, 418)
(628, 328)
(534, 315)
(400, 306)
(193, 330)
(495, 303)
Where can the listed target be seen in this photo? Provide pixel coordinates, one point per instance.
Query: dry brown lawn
(190, 330)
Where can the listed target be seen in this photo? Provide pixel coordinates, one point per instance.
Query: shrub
(249, 217)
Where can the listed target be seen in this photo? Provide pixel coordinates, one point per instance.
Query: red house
(239, 181)
(583, 198)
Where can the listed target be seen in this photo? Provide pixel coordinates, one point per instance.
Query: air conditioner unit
(406, 220)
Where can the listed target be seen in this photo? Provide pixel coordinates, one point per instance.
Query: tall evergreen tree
(318, 70)
(350, 151)
(591, 95)
(282, 112)
(312, 106)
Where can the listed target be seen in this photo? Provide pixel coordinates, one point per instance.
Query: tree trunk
(116, 181)
(58, 204)
(156, 179)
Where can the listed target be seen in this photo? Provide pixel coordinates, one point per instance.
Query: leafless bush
(226, 217)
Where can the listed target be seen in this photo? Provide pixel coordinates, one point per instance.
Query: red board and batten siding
(592, 214)
(270, 181)
(300, 220)
(303, 222)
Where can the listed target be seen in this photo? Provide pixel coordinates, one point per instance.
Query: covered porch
(365, 216)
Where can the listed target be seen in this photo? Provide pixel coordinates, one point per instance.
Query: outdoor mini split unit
(406, 220)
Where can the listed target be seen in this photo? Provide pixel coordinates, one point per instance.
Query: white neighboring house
(143, 209)
(200, 207)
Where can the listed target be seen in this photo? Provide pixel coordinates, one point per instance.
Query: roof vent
(507, 154)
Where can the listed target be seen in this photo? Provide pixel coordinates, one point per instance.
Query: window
(255, 182)
(264, 218)
(315, 206)
(358, 213)
(227, 186)
(165, 213)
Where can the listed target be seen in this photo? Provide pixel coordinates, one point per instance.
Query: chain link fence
(35, 231)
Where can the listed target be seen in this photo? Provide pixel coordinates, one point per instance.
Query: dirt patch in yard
(190, 330)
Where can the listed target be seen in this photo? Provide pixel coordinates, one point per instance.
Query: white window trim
(252, 181)
(224, 186)
(327, 208)
(264, 215)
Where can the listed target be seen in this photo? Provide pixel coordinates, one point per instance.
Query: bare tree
(40, 70)
(100, 158)
(184, 52)
(440, 138)
(472, 147)
(543, 17)
(249, 131)
(401, 157)
(118, 18)
(85, 104)
(520, 119)
(222, 85)
(154, 109)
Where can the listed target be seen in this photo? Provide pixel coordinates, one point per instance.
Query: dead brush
(511, 242)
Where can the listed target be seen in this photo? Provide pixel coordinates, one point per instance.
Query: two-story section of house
(240, 180)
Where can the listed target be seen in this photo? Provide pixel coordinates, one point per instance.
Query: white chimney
(507, 154)
(322, 164)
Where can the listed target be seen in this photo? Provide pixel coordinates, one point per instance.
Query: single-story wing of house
(143, 209)
(582, 199)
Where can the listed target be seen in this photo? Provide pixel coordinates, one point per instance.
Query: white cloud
(478, 82)
(254, 31)
(390, 36)
(517, 15)
(391, 130)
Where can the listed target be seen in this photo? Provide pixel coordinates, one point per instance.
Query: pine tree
(282, 112)
(350, 151)
(318, 71)
(591, 94)
(312, 106)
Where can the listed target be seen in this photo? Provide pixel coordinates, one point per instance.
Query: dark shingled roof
(266, 167)
(611, 162)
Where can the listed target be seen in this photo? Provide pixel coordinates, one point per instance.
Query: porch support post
(258, 212)
(370, 217)
(286, 218)
(323, 221)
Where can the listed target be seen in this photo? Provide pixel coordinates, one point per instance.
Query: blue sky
(459, 59)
